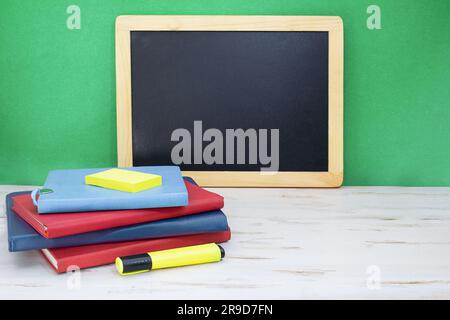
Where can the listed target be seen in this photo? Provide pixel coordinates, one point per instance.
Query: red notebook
(100, 254)
(65, 224)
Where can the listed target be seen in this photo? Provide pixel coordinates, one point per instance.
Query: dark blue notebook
(23, 237)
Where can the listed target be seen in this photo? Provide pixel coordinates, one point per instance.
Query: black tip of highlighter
(137, 262)
(222, 251)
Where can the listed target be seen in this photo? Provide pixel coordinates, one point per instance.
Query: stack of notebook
(75, 224)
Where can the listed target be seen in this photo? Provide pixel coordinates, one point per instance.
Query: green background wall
(57, 86)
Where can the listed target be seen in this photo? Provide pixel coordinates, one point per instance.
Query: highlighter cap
(222, 251)
(134, 264)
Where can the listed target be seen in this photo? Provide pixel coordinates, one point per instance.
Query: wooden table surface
(353, 242)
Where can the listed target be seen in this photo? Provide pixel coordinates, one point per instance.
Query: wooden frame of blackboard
(333, 25)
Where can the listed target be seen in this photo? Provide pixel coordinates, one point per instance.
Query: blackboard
(255, 80)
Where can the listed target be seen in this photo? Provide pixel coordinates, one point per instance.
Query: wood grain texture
(286, 243)
(123, 98)
(333, 25)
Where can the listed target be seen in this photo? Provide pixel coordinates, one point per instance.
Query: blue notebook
(71, 194)
(22, 236)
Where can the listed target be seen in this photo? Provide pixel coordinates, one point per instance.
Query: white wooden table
(369, 242)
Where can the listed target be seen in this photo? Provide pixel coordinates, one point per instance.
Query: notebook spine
(81, 205)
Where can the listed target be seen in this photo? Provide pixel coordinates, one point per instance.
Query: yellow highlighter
(178, 257)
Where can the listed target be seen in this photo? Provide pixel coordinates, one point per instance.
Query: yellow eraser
(124, 180)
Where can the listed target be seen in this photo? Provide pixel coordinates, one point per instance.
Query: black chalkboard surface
(260, 80)
(233, 100)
